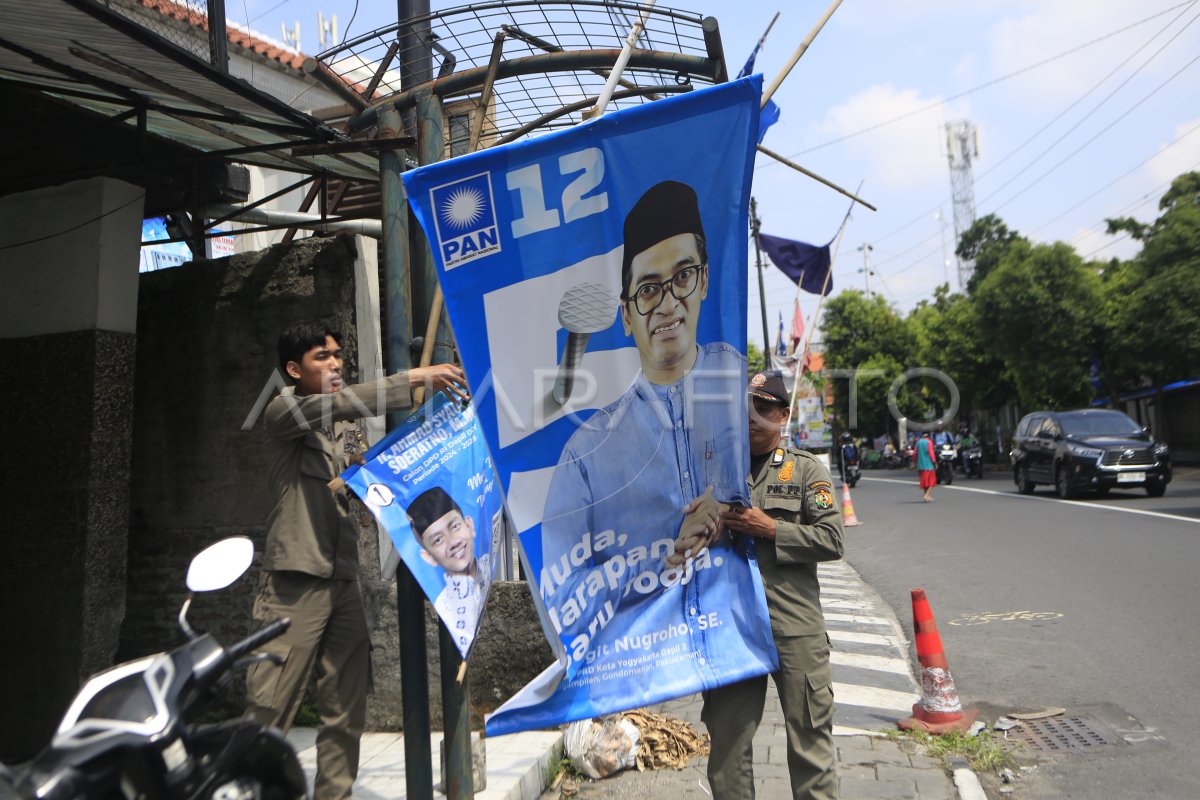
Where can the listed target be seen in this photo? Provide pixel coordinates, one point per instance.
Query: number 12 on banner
(527, 182)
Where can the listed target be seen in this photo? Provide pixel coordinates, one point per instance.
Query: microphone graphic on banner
(584, 309)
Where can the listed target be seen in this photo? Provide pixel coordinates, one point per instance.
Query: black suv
(1091, 450)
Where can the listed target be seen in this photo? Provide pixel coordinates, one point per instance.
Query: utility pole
(755, 222)
(866, 249)
(218, 38)
(962, 146)
(941, 220)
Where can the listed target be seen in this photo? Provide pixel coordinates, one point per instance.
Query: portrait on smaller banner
(431, 485)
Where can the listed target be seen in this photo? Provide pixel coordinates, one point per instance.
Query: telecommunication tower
(962, 147)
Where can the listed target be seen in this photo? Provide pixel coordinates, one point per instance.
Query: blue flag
(806, 264)
(596, 279)
(780, 347)
(770, 112)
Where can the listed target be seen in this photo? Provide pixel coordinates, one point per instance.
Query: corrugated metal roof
(84, 54)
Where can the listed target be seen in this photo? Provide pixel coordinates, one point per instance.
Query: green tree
(867, 336)
(985, 242)
(1036, 308)
(756, 361)
(1152, 302)
(949, 338)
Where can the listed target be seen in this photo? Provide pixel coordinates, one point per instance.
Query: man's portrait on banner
(635, 498)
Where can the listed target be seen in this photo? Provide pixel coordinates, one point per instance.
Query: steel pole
(218, 37)
(762, 292)
(459, 780)
(410, 600)
(456, 696)
(431, 144)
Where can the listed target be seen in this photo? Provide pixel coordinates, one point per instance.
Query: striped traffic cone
(939, 710)
(849, 520)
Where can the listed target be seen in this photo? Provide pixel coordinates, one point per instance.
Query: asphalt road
(1112, 585)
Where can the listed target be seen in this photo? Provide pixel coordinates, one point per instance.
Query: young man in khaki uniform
(310, 564)
(795, 522)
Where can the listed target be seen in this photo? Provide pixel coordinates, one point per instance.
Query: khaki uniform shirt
(794, 488)
(310, 440)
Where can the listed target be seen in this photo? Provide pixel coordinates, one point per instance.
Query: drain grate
(1069, 735)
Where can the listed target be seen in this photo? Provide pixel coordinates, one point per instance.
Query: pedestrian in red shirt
(926, 466)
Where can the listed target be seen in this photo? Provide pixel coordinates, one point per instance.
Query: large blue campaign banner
(596, 280)
(431, 485)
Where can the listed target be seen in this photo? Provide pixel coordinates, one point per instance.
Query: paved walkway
(873, 687)
(517, 765)
(869, 767)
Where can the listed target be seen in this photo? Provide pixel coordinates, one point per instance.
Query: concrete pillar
(67, 321)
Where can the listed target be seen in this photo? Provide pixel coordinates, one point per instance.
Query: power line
(280, 4)
(1063, 161)
(1105, 246)
(84, 224)
(1119, 178)
(1057, 117)
(1100, 133)
(982, 86)
(1098, 106)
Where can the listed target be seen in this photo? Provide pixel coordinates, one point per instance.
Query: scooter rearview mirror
(220, 564)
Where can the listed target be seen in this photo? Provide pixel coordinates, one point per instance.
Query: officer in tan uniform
(795, 522)
(310, 564)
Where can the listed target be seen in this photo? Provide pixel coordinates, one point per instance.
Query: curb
(966, 781)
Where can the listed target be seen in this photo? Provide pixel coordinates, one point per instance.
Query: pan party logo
(465, 218)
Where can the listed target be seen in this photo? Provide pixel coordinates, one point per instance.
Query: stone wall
(65, 497)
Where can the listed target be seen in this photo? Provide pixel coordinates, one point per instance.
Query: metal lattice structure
(962, 146)
(546, 60)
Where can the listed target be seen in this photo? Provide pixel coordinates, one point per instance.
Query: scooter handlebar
(258, 639)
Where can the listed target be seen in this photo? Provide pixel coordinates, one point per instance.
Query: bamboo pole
(814, 176)
(800, 50)
(808, 332)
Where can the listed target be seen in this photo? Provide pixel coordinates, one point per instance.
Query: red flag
(797, 326)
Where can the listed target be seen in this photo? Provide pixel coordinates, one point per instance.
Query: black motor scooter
(133, 730)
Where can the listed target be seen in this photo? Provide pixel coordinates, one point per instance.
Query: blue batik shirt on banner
(431, 485)
(596, 280)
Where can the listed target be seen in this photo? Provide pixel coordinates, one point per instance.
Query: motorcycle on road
(848, 466)
(972, 461)
(947, 455)
(133, 731)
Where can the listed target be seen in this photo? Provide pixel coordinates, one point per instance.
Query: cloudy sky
(1084, 109)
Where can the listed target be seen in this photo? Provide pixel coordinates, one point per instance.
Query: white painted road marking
(865, 638)
(1073, 503)
(857, 619)
(878, 663)
(855, 695)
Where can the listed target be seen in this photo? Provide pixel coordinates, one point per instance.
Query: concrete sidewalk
(869, 767)
(517, 765)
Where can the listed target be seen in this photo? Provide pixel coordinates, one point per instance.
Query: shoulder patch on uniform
(819, 484)
(777, 459)
(785, 474)
(823, 498)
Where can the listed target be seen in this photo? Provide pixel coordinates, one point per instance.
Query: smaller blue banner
(431, 485)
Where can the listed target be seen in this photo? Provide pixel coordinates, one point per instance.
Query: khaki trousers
(733, 713)
(329, 635)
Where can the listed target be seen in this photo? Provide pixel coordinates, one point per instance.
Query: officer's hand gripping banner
(431, 485)
(596, 280)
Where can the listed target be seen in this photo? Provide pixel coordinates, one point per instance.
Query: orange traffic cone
(939, 710)
(849, 520)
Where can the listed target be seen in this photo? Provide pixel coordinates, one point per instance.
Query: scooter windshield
(128, 700)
